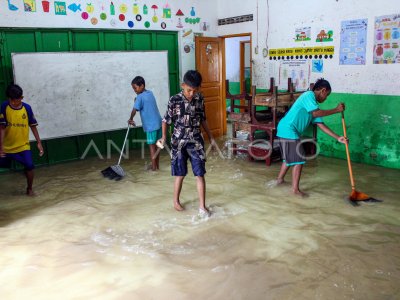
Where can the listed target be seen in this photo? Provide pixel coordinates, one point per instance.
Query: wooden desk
(273, 100)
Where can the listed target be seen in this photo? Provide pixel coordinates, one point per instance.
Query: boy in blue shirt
(303, 112)
(15, 119)
(146, 104)
(186, 112)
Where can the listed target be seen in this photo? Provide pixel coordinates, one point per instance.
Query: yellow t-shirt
(17, 122)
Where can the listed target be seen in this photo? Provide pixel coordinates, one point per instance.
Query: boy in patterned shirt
(15, 119)
(186, 112)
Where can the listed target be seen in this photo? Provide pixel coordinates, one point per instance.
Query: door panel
(209, 64)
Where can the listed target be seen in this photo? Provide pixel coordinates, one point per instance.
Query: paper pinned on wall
(303, 34)
(317, 66)
(298, 70)
(353, 41)
(387, 39)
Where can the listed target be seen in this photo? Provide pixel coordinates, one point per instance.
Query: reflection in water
(86, 237)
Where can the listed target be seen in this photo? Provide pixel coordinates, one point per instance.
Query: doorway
(238, 67)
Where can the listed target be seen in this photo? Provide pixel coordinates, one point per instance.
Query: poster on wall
(324, 35)
(298, 70)
(303, 34)
(353, 41)
(387, 39)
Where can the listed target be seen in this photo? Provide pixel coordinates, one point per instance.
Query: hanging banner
(302, 53)
(353, 41)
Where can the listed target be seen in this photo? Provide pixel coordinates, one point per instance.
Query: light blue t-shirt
(147, 106)
(299, 117)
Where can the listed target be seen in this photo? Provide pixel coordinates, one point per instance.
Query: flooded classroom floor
(86, 237)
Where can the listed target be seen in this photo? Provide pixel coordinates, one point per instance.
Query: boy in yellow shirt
(15, 119)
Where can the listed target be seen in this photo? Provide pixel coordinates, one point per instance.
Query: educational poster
(298, 70)
(324, 35)
(353, 42)
(317, 65)
(303, 34)
(387, 39)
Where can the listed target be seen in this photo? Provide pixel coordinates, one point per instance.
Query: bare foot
(280, 181)
(178, 206)
(203, 211)
(300, 193)
(30, 192)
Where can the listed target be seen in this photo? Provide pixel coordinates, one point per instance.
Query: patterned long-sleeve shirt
(186, 116)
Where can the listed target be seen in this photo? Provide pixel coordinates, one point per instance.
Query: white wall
(40, 19)
(232, 57)
(286, 15)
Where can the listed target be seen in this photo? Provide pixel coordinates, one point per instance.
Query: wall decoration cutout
(131, 24)
(60, 8)
(121, 17)
(303, 34)
(192, 12)
(94, 21)
(166, 11)
(113, 23)
(74, 7)
(155, 18)
(324, 36)
(46, 6)
(85, 15)
(180, 14)
(112, 9)
(298, 70)
(353, 42)
(30, 5)
(145, 9)
(103, 16)
(138, 18)
(317, 66)
(192, 20)
(11, 6)
(147, 24)
(89, 8)
(136, 9)
(163, 25)
(123, 8)
(387, 39)
(204, 26)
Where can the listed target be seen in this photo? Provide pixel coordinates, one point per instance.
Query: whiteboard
(74, 93)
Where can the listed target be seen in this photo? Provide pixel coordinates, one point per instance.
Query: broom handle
(123, 146)
(348, 154)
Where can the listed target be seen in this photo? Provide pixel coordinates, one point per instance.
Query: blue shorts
(153, 136)
(23, 157)
(196, 157)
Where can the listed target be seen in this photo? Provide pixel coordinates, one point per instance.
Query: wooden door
(209, 55)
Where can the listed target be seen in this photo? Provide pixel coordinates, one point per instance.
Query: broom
(116, 172)
(355, 196)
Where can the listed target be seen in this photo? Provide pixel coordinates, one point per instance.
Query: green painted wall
(373, 128)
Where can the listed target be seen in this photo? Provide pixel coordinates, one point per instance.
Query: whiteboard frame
(32, 138)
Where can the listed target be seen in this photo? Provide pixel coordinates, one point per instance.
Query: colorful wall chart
(387, 39)
(353, 41)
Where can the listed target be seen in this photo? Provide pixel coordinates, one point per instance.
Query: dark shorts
(292, 152)
(24, 158)
(196, 157)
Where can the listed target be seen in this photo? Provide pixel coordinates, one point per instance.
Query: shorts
(153, 136)
(196, 157)
(292, 152)
(23, 157)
